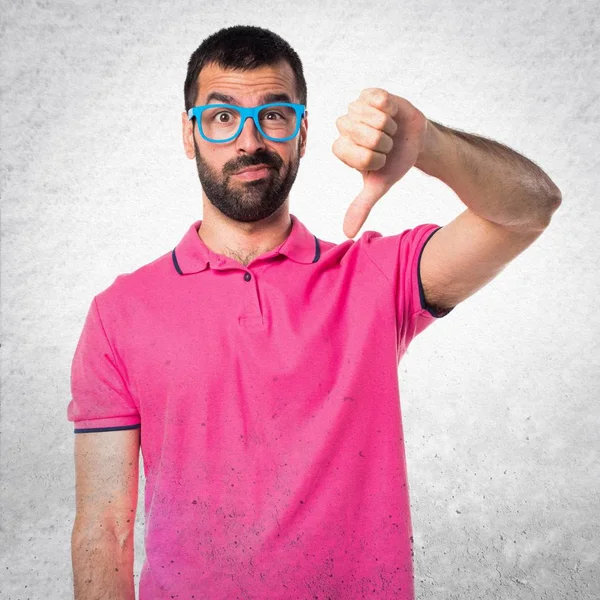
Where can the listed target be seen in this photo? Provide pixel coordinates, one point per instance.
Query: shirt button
(247, 276)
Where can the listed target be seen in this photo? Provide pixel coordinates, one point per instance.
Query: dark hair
(242, 47)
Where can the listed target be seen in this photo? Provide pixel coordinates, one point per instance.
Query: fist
(381, 136)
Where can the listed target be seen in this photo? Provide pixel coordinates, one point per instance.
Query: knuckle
(366, 160)
(380, 161)
(387, 143)
(384, 143)
(376, 161)
(380, 139)
(383, 121)
(380, 97)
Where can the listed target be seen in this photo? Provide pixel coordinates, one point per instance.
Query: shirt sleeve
(100, 399)
(399, 257)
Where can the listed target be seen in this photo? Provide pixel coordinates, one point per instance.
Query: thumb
(361, 206)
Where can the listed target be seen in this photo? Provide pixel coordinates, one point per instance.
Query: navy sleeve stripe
(432, 310)
(108, 428)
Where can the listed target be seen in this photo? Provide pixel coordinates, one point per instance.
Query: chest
(260, 343)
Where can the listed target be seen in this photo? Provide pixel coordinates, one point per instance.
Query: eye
(222, 112)
(276, 114)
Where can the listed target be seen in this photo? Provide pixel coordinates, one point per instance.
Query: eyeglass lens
(276, 121)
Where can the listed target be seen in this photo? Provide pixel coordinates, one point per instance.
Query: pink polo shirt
(268, 401)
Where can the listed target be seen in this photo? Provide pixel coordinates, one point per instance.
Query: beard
(252, 200)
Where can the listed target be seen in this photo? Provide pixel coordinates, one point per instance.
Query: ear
(188, 135)
(303, 134)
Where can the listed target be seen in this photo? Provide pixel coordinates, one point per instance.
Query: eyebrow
(266, 98)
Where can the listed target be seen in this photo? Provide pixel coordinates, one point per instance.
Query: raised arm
(509, 199)
(106, 474)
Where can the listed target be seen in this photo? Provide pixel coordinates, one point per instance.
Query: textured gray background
(500, 398)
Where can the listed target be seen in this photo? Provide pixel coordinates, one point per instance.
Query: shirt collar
(192, 255)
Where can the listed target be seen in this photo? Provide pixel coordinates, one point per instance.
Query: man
(256, 365)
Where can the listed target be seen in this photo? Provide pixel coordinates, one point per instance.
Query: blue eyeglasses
(220, 123)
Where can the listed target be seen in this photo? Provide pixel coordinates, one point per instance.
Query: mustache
(255, 159)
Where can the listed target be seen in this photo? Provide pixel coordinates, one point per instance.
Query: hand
(381, 136)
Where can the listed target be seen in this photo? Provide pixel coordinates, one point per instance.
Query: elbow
(551, 201)
(554, 201)
(555, 198)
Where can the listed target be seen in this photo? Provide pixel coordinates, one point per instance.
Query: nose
(250, 138)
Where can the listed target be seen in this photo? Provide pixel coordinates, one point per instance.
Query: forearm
(102, 567)
(492, 180)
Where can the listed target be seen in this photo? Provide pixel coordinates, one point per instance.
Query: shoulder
(135, 287)
(399, 250)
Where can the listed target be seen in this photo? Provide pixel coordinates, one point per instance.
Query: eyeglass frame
(245, 113)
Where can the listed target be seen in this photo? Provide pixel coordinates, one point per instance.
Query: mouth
(254, 172)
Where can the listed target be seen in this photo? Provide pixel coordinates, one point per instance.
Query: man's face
(241, 199)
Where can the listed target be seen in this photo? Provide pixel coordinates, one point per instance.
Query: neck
(243, 242)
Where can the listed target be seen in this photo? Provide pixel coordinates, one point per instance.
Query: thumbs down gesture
(381, 136)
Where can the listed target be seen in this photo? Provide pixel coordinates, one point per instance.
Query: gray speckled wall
(500, 399)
